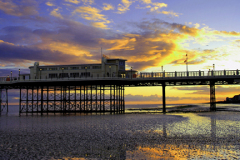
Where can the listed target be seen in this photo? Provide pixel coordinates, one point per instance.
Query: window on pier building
(74, 68)
(74, 75)
(85, 74)
(53, 68)
(42, 69)
(96, 67)
(84, 67)
(63, 68)
(53, 75)
(62, 75)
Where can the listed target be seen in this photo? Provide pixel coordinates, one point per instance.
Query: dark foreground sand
(128, 136)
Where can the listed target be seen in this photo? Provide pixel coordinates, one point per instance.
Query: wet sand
(204, 135)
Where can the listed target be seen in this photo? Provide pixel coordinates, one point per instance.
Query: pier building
(107, 68)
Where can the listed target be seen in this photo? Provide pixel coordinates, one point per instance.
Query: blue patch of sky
(217, 14)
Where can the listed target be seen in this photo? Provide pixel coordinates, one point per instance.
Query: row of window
(62, 75)
(69, 68)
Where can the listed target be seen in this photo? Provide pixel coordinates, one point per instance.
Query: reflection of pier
(103, 94)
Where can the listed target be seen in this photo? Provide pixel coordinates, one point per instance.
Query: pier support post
(212, 97)
(3, 100)
(164, 97)
(0, 101)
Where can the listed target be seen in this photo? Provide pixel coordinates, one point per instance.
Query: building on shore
(107, 68)
(235, 98)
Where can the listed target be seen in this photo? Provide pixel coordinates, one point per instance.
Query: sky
(148, 33)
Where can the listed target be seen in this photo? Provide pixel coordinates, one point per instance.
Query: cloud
(169, 13)
(107, 7)
(49, 4)
(122, 8)
(73, 1)
(16, 54)
(22, 9)
(92, 14)
(56, 13)
(156, 8)
(71, 43)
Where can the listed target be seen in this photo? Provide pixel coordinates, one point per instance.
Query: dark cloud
(19, 8)
(15, 54)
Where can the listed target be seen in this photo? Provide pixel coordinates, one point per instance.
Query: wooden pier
(103, 94)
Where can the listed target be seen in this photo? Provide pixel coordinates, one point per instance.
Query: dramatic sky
(148, 33)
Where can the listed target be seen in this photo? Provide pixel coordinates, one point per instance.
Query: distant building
(236, 98)
(107, 68)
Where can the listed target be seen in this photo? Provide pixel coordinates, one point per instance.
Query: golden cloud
(92, 14)
(122, 8)
(100, 25)
(56, 13)
(170, 13)
(73, 1)
(107, 7)
(49, 4)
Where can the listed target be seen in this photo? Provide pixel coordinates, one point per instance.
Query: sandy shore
(127, 136)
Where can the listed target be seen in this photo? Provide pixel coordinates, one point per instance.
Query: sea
(186, 131)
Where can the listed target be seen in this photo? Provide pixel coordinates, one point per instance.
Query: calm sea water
(141, 135)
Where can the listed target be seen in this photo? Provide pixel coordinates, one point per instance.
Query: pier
(102, 94)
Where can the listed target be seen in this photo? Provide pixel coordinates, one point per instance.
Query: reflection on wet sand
(144, 136)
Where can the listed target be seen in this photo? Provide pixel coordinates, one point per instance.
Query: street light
(162, 68)
(19, 74)
(40, 73)
(86, 72)
(110, 71)
(62, 72)
(186, 63)
(131, 72)
(11, 75)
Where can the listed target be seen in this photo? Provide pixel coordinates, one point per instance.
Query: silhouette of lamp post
(19, 74)
(86, 71)
(11, 75)
(62, 72)
(110, 71)
(131, 72)
(40, 73)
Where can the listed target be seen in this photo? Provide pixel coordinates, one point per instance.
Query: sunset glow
(149, 34)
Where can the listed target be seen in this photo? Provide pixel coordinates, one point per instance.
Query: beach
(177, 135)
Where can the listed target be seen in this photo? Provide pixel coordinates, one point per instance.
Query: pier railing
(139, 75)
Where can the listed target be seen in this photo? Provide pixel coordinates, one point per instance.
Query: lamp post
(19, 74)
(110, 71)
(40, 72)
(162, 68)
(11, 75)
(186, 63)
(131, 72)
(62, 72)
(86, 72)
